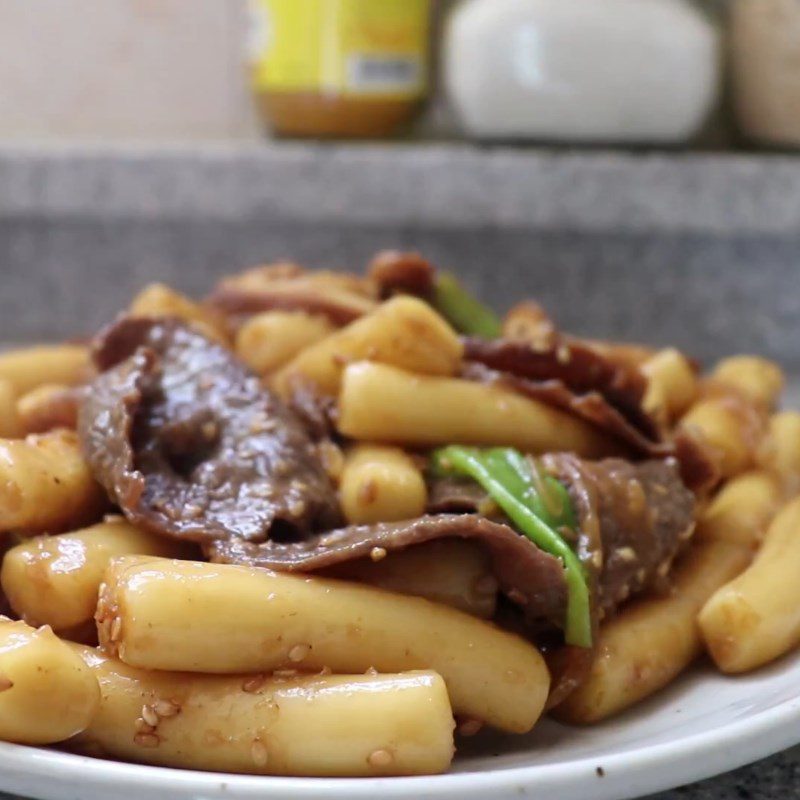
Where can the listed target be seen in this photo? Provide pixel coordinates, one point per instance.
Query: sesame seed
(332, 458)
(377, 553)
(371, 671)
(563, 355)
(299, 652)
(263, 492)
(149, 715)
(470, 727)
(5, 683)
(111, 518)
(252, 685)
(146, 740)
(259, 753)
(166, 708)
(626, 554)
(285, 673)
(597, 559)
(663, 569)
(209, 430)
(140, 726)
(687, 533)
(297, 508)
(257, 425)
(380, 758)
(326, 671)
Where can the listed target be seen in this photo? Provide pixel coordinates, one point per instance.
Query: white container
(765, 65)
(581, 70)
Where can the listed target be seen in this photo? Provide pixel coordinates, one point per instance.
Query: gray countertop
(693, 249)
(465, 186)
(631, 232)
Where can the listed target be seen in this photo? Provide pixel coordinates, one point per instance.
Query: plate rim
(627, 774)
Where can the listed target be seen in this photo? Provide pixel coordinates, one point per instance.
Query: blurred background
(631, 162)
(715, 74)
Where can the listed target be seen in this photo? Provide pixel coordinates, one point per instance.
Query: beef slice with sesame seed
(575, 365)
(633, 519)
(570, 374)
(533, 578)
(189, 444)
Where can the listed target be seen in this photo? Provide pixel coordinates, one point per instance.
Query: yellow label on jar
(351, 47)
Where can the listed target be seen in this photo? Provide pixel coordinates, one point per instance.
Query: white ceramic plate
(705, 724)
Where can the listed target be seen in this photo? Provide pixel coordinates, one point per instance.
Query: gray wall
(698, 251)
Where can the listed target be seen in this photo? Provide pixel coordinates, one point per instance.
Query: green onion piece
(542, 494)
(555, 497)
(549, 497)
(463, 311)
(500, 473)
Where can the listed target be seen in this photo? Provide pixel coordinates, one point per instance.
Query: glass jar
(597, 71)
(343, 68)
(765, 65)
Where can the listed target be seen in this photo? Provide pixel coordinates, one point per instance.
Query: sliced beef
(699, 467)
(641, 437)
(339, 308)
(529, 323)
(591, 407)
(340, 297)
(189, 444)
(599, 382)
(576, 366)
(529, 576)
(455, 495)
(316, 411)
(409, 273)
(633, 518)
